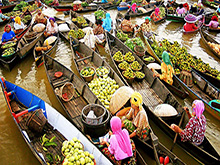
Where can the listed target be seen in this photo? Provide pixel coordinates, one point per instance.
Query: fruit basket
(123, 66)
(139, 76)
(135, 66)
(129, 75)
(87, 73)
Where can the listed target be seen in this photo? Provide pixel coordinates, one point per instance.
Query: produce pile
(84, 4)
(129, 73)
(48, 144)
(132, 42)
(124, 65)
(104, 88)
(215, 47)
(136, 66)
(122, 36)
(139, 75)
(76, 34)
(87, 71)
(118, 56)
(162, 11)
(129, 57)
(47, 2)
(101, 71)
(26, 19)
(13, 13)
(100, 14)
(148, 59)
(8, 45)
(8, 51)
(30, 8)
(80, 21)
(74, 153)
(20, 5)
(180, 58)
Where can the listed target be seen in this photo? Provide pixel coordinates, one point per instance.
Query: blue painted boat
(24, 106)
(122, 8)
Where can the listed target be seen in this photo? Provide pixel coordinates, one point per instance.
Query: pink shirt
(116, 150)
(181, 11)
(213, 24)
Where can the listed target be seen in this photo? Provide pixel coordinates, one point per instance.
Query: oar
(180, 123)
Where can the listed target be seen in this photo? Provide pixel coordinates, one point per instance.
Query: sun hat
(190, 18)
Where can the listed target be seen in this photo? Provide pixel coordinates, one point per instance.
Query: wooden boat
(155, 93)
(9, 63)
(8, 8)
(208, 4)
(38, 55)
(83, 96)
(162, 19)
(206, 38)
(23, 104)
(202, 89)
(149, 9)
(199, 25)
(122, 8)
(85, 9)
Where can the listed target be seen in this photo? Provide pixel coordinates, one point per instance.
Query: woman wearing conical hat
(135, 119)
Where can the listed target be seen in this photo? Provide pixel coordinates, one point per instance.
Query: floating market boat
(198, 88)
(155, 93)
(84, 96)
(210, 4)
(163, 18)
(149, 9)
(10, 60)
(199, 25)
(37, 120)
(48, 50)
(209, 40)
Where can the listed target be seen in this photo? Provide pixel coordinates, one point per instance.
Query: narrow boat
(149, 9)
(163, 18)
(199, 25)
(6, 9)
(207, 38)
(122, 8)
(209, 4)
(199, 88)
(38, 55)
(83, 96)
(10, 61)
(155, 93)
(25, 107)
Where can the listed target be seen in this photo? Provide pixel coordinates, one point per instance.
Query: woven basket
(139, 50)
(66, 92)
(36, 121)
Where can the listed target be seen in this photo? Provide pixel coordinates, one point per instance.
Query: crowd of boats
(37, 120)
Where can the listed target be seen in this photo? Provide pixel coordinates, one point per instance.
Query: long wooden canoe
(21, 102)
(201, 89)
(199, 26)
(38, 55)
(206, 38)
(83, 96)
(149, 9)
(155, 93)
(11, 62)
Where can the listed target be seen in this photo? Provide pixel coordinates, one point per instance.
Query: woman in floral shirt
(195, 129)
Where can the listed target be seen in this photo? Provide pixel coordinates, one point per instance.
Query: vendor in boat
(134, 118)
(40, 17)
(181, 10)
(213, 24)
(156, 15)
(52, 28)
(189, 25)
(121, 149)
(107, 22)
(196, 127)
(3, 17)
(90, 39)
(134, 8)
(146, 27)
(18, 25)
(8, 35)
(99, 30)
(186, 6)
(126, 24)
(54, 3)
(123, 4)
(166, 69)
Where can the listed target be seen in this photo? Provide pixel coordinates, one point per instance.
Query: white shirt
(17, 26)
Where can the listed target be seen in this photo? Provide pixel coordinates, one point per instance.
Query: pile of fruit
(26, 19)
(123, 65)
(103, 88)
(101, 71)
(118, 56)
(8, 51)
(129, 73)
(136, 66)
(100, 14)
(121, 36)
(162, 11)
(76, 34)
(13, 13)
(80, 20)
(139, 75)
(80, 33)
(87, 71)
(84, 4)
(215, 47)
(30, 8)
(177, 71)
(129, 57)
(8, 45)
(180, 58)
(47, 2)
(132, 42)
(74, 154)
(20, 5)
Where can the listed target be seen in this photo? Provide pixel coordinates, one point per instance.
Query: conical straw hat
(120, 98)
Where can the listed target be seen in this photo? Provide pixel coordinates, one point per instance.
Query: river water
(14, 150)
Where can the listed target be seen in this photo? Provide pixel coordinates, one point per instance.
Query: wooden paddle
(180, 123)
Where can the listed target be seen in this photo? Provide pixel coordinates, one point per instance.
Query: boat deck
(36, 138)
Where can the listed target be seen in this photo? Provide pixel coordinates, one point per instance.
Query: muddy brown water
(13, 148)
